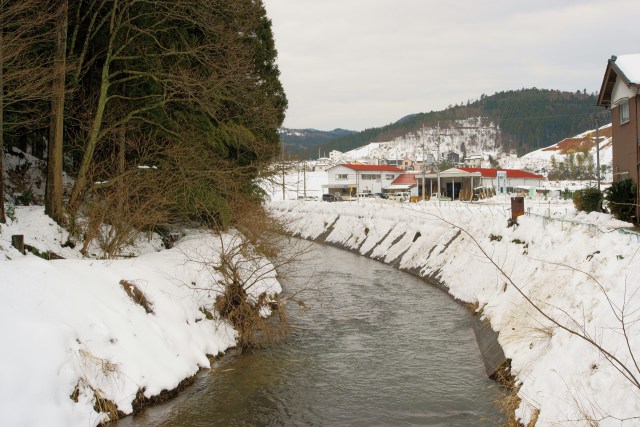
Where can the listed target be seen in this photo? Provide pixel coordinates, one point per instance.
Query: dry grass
(507, 399)
(137, 296)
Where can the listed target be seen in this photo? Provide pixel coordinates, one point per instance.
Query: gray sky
(357, 64)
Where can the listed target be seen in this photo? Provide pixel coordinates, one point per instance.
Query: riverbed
(376, 346)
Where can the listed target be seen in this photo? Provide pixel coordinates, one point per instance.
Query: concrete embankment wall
(519, 280)
(376, 239)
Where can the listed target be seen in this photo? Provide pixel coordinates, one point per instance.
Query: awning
(338, 185)
(398, 187)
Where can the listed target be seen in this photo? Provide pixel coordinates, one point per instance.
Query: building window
(389, 177)
(341, 176)
(624, 112)
(370, 177)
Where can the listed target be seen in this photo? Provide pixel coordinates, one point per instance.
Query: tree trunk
(53, 194)
(96, 126)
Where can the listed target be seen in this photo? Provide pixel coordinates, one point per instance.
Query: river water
(377, 347)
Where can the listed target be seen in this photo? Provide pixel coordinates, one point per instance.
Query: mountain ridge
(524, 119)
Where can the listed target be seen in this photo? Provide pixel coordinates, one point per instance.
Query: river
(377, 347)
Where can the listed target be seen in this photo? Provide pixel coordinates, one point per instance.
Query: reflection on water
(379, 347)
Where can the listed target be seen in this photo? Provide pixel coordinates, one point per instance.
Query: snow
(630, 66)
(69, 325)
(580, 268)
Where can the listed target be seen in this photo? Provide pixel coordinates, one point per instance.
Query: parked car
(364, 195)
(307, 198)
(330, 198)
(436, 196)
(381, 195)
(400, 196)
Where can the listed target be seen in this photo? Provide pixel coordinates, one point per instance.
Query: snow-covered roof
(511, 173)
(405, 179)
(373, 168)
(630, 67)
(627, 68)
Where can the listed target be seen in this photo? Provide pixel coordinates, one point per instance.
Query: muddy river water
(377, 347)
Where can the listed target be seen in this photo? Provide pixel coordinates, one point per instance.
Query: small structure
(403, 183)
(619, 93)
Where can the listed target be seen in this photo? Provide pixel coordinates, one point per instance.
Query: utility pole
(424, 171)
(438, 163)
(283, 186)
(597, 155)
(304, 177)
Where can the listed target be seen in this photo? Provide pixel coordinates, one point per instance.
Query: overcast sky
(356, 64)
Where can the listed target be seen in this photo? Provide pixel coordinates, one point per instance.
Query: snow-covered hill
(539, 161)
(470, 136)
(478, 136)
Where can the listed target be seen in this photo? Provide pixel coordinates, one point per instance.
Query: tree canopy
(184, 94)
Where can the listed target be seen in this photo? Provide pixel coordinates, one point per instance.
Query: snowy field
(579, 269)
(71, 333)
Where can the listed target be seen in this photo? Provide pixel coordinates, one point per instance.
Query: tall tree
(25, 68)
(53, 195)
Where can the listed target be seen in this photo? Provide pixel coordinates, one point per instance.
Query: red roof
(405, 179)
(372, 168)
(511, 173)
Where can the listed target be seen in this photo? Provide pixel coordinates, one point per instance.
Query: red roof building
(511, 173)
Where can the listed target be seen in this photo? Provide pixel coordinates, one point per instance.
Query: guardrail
(597, 227)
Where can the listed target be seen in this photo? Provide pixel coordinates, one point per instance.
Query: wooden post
(17, 241)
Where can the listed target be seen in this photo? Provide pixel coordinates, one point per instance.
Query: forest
(145, 112)
(528, 119)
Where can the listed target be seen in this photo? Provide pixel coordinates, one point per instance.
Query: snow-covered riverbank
(71, 330)
(582, 275)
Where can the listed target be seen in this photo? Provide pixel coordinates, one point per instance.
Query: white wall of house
(512, 182)
(473, 162)
(621, 92)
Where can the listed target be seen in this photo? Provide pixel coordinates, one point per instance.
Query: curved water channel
(378, 347)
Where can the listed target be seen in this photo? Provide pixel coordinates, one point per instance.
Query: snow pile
(584, 276)
(73, 330)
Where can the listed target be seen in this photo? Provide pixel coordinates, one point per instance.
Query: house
(453, 157)
(619, 93)
(407, 164)
(513, 178)
(349, 179)
(473, 161)
(322, 164)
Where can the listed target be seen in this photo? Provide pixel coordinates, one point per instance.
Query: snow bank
(70, 328)
(582, 275)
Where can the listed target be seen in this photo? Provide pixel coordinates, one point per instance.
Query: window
(624, 112)
(370, 177)
(389, 177)
(341, 176)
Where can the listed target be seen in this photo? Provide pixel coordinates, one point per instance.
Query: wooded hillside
(528, 119)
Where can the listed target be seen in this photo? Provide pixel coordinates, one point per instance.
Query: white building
(473, 161)
(349, 179)
(322, 164)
